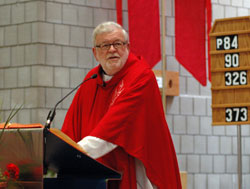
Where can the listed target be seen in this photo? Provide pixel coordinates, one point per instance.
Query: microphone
(104, 84)
(52, 112)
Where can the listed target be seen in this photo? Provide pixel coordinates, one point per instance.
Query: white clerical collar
(106, 77)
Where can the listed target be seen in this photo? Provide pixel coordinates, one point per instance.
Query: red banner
(119, 11)
(144, 29)
(209, 23)
(190, 19)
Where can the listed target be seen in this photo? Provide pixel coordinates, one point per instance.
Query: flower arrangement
(12, 172)
(8, 177)
(21, 154)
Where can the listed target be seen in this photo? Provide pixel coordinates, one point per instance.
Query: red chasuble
(126, 111)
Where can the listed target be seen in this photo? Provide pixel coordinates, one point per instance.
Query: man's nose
(112, 48)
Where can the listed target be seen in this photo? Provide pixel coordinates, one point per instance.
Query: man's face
(112, 58)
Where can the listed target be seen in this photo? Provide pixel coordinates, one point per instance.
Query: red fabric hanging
(144, 29)
(190, 37)
(119, 11)
(209, 22)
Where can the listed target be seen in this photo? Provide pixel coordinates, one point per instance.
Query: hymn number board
(232, 78)
(230, 71)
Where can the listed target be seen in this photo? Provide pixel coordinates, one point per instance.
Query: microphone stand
(52, 112)
(50, 118)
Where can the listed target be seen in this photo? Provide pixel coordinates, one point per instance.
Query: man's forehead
(110, 36)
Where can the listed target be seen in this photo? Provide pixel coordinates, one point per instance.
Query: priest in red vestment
(118, 117)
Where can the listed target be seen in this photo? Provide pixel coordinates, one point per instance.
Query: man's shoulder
(93, 71)
(140, 68)
(139, 73)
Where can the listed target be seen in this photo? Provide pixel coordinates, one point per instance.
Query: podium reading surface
(73, 167)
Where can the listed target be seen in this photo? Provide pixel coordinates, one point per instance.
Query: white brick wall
(224, 2)
(69, 56)
(17, 97)
(213, 144)
(61, 77)
(1, 36)
(219, 165)
(206, 164)
(179, 124)
(62, 34)
(43, 32)
(34, 11)
(54, 13)
(17, 13)
(5, 57)
(11, 35)
(238, 3)
(52, 95)
(85, 16)
(186, 104)
(77, 36)
(42, 76)
(5, 15)
(85, 58)
(93, 3)
(24, 116)
(193, 125)
(213, 182)
(200, 145)
(54, 55)
(187, 144)
(17, 56)
(76, 76)
(24, 33)
(69, 14)
(1, 80)
(10, 78)
(192, 86)
(100, 15)
(24, 77)
(193, 163)
(34, 98)
(200, 181)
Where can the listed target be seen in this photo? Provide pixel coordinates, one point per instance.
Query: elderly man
(118, 118)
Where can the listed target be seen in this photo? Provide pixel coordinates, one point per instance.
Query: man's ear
(94, 52)
(128, 46)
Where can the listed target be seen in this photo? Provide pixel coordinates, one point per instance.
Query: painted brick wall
(45, 50)
(208, 154)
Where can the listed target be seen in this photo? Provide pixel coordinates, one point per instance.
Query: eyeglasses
(106, 46)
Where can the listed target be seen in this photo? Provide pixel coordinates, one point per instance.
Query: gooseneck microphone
(52, 112)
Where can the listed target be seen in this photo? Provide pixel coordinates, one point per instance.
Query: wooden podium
(73, 167)
(50, 149)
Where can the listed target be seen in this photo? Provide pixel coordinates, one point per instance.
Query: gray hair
(107, 27)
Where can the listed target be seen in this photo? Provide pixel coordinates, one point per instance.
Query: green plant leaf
(13, 112)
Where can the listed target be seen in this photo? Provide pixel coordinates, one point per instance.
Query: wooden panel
(242, 96)
(230, 71)
(231, 24)
(219, 61)
(222, 96)
(184, 179)
(243, 40)
(244, 59)
(217, 79)
(171, 84)
(219, 117)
